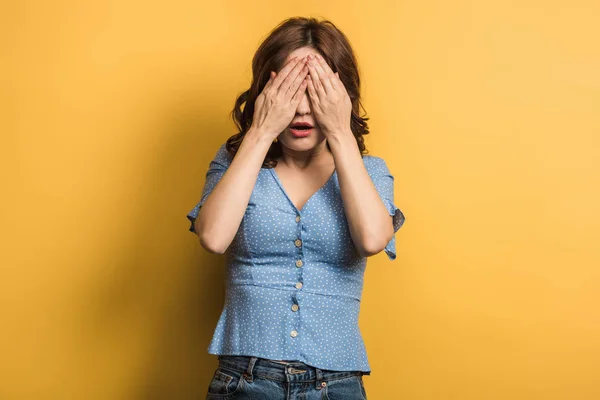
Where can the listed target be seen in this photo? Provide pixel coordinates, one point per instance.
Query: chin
(305, 143)
(300, 144)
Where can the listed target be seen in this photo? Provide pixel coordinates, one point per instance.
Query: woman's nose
(304, 105)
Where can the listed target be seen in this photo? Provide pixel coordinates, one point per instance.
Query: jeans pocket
(225, 383)
(347, 388)
(362, 386)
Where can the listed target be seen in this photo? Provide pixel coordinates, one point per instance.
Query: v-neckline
(274, 174)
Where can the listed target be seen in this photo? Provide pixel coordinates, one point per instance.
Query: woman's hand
(276, 105)
(331, 103)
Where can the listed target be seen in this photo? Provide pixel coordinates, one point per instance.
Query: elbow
(208, 241)
(371, 248)
(373, 244)
(210, 246)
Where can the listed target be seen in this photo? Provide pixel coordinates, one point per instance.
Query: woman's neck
(317, 156)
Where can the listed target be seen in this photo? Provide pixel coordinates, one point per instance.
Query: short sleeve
(384, 183)
(216, 170)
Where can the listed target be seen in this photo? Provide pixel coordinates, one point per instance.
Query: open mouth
(301, 126)
(301, 129)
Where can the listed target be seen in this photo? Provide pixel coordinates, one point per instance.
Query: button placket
(299, 263)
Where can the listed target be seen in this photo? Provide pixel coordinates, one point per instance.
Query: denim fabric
(246, 377)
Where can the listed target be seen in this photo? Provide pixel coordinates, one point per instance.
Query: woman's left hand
(331, 103)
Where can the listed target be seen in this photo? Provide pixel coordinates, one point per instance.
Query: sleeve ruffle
(397, 220)
(384, 184)
(216, 170)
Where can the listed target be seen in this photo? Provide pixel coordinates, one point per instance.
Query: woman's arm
(220, 216)
(369, 221)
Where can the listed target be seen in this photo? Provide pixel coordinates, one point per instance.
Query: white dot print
(281, 257)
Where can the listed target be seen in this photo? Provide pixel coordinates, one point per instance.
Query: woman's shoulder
(222, 155)
(375, 165)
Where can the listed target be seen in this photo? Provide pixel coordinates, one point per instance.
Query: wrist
(339, 134)
(342, 143)
(258, 136)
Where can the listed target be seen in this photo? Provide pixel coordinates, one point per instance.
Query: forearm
(220, 216)
(368, 218)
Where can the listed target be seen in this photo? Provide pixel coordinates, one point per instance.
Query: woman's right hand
(276, 105)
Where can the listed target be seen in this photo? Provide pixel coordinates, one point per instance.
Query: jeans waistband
(292, 371)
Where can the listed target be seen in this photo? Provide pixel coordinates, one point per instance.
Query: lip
(294, 124)
(299, 133)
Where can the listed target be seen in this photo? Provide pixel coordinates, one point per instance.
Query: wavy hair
(287, 36)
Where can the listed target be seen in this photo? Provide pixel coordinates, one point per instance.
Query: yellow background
(486, 113)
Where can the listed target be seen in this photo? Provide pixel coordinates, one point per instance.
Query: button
(299, 263)
(323, 384)
(297, 218)
(298, 285)
(298, 242)
(294, 333)
(295, 307)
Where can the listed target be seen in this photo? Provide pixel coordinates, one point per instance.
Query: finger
(298, 81)
(335, 80)
(269, 83)
(324, 72)
(329, 72)
(314, 76)
(340, 84)
(312, 91)
(284, 72)
(285, 87)
(299, 92)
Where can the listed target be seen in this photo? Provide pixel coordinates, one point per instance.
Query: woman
(296, 207)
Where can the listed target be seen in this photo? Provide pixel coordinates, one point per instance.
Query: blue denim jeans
(245, 377)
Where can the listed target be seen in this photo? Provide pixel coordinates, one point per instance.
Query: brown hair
(289, 35)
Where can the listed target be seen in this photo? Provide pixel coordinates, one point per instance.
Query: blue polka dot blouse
(294, 278)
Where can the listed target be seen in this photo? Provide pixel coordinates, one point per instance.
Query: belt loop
(248, 373)
(319, 379)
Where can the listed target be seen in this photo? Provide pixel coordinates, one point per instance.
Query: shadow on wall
(165, 300)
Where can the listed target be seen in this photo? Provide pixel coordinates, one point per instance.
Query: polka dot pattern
(294, 278)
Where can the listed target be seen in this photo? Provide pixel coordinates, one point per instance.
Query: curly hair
(289, 35)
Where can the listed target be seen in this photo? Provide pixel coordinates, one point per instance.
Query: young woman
(296, 207)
